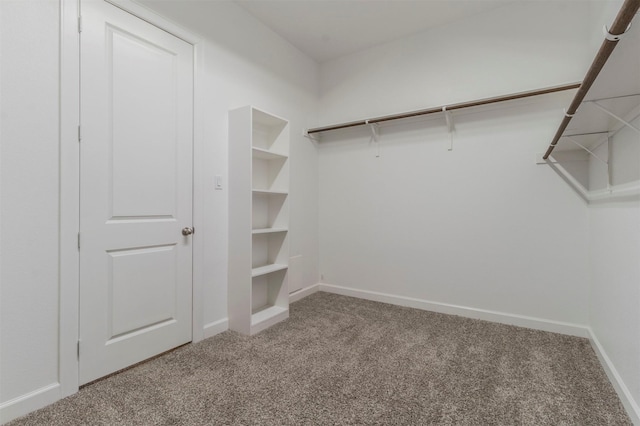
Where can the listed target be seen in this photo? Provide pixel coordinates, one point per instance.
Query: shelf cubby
(269, 210)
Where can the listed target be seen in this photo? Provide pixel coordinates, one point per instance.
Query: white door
(135, 190)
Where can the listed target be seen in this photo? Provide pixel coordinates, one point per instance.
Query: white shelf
(267, 269)
(597, 153)
(269, 192)
(268, 230)
(268, 313)
(265, 154)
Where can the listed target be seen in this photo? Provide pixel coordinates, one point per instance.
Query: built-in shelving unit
(598, 152)
(258, 220)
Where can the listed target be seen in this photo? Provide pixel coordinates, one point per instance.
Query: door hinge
(79, 24)
(78, 241)
(79, 134)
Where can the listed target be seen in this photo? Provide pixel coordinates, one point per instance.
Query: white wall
(482, 226)
(614, 264)
(518, 47)
(29, 33)
(244, 63)
(615, 289)
(614, 256)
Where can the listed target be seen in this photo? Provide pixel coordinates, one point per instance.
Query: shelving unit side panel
(240, 207)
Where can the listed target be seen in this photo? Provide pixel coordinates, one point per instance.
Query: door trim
(69, 220)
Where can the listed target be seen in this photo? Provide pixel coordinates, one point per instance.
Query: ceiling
(327, 29)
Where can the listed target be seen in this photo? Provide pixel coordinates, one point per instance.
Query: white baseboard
(614, 377)
(24, 404)
(303, 292)
(463, 311)
(216, 327)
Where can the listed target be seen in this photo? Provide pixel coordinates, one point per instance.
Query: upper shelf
(596, 146)
(617, 89)
(590, 121)
(610, 92)
(620, 75)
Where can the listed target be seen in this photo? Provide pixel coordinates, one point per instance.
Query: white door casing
(135, 190)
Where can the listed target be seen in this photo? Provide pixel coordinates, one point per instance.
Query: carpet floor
(340, 361)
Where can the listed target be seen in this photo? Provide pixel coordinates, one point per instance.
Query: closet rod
(620, 25)
(452, 107)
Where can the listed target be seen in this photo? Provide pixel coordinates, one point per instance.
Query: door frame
(69, 216)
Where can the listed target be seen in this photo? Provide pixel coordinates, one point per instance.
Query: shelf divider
(268, 230)
(269, 191)
(267, 269)
(265, 154)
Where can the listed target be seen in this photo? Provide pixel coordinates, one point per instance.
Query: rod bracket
(310, 136)
(375, 134)
(613, 37)
(566, 114)
(450, 127)
(447, 116)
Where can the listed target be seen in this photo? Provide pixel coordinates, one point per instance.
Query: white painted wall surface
(517, 47)
(614, 264)
(246, 63)
(615, 288)
(481, 226)
(29, 33)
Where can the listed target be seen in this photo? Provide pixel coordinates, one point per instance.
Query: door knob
(187, 231)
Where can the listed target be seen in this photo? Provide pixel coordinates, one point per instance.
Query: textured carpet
(340, 360)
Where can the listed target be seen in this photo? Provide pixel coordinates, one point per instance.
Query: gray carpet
(340, 360)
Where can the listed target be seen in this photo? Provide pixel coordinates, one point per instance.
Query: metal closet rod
(453, 107)
(620, 25)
